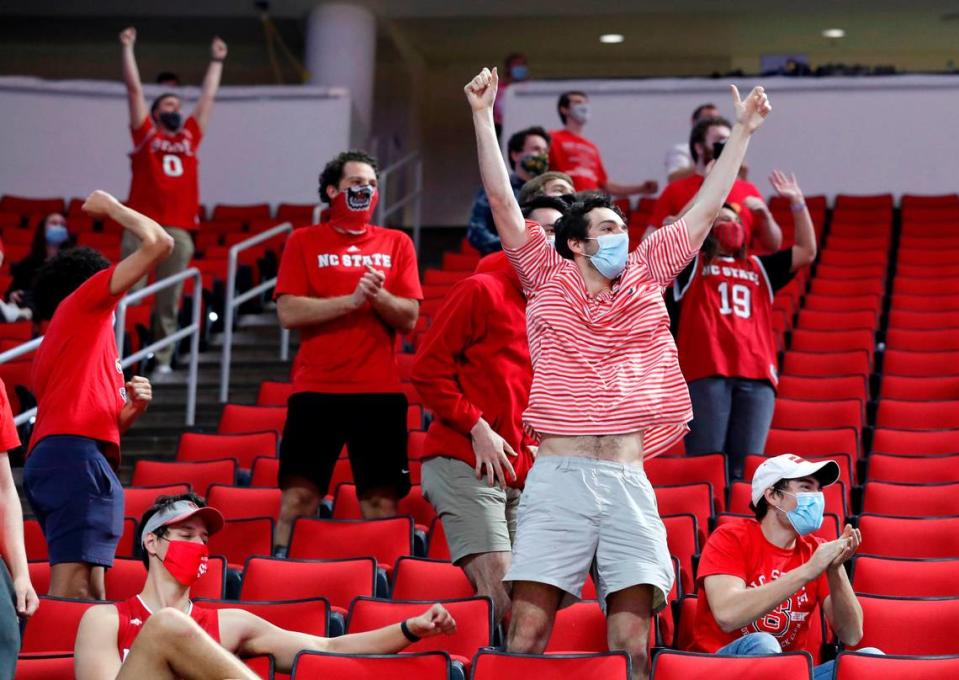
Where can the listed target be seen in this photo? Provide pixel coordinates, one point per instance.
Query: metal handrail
(233, 301)
(410, 160)
(193, 331)
(15, 353)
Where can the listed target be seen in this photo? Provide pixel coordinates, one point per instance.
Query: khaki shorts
(578, 513)
(476, 518)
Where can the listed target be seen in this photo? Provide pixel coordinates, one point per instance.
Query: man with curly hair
(349, 287)
(83, 403)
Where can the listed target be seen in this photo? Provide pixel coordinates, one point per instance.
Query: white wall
(265, 143)
(839, 135)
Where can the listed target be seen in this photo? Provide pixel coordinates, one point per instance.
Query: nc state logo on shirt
(354, 260)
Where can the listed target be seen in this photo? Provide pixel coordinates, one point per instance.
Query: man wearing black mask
(165, 184)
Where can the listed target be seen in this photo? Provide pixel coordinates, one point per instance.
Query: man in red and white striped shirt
(607, 392)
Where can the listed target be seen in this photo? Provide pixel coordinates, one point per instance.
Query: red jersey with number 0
(132, 615)
(355, 352)
(725, 323)
(579, 158)
(740, 549)
(165, 184)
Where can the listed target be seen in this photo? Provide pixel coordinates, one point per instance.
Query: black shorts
(373, 427)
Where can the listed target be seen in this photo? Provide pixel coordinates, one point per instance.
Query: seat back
(687, 470)
(911, 500)
(683, 536)
(807, 443)
(909, 537)
(47, 667)
(902, 442)
(817, 415)
(274, 393)
(384, 539)
(905, 578)
(137, 499)
(53, 628)
(267, 578)
(695, 499)
(580, 627)
(34, 541)
(676, 665)
(852, 666)
(238, 419)
(240, 539)
(913, 469)
(909, 626)
(419, 579)
(310, 615)
(198, 446)
(200, 476)
(423, 666)
(240, 502)
(265, 472)
(492, 665)
(918, 415)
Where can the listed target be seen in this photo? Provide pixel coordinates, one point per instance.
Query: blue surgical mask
(806, 517)
(579, 112)
(56, 234)
(519, 72)
(610, 259)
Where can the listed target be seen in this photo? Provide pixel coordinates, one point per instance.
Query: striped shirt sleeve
(665, 252)
(536, 262)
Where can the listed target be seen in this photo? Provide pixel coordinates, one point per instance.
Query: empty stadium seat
(925, 303)
(31, 207)
(45, 667)
(836, 321)
(137, 499)
(493, 665)
(239, 502)
(53, 628)
(821, 285)
(917, 415)
(297, 213)
(580, 627)
(815, 364)
(339, 581)
(905, 577)
(274, 393)
(197, 447)
(423, 666)
(813, 442)
(816, 415)
(914, 469)
(33, 540)
(384, 539)
(915, 443)
(683, 537)
(852, 666)
(676, 665)
(237, 419)
(200, 476)
(695, 499)
(346, 505)
(265, 471)
(933, 321)
(240, 539)
(904, 388)
(823, 389)
(920, 364)
(910, 625)
(309, 615)
(910, 500)
(922, 538)
(243, 213)
(422, 579)
(709, 468)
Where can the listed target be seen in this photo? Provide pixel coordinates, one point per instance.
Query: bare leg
(628, 616)
(77, 579)
(485, 571)
(534, 612)
(172, 645)
(378, 503)
(301, 498)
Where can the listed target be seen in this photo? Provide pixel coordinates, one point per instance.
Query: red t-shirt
(133, 614)
(9, 439)
(725, 323)
(165, 184)
(355, 352)
(76, 374)
(740, 549)
(577, 157)
(677, 195)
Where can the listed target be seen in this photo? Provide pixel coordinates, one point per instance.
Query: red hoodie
(474, 361)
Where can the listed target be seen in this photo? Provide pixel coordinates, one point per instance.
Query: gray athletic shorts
(577, 510)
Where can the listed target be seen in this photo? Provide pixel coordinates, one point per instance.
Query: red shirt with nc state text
(740, 549)
(76, 373)
(579, 158)
(355, 352)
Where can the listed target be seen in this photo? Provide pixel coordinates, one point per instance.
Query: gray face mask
(579, 112)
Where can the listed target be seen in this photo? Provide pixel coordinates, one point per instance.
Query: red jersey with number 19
(725, 324)
(165, 186)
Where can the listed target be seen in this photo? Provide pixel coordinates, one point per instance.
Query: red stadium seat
(910, 626)
(127, 576)
(265, 471)
(924, 285)
(237, 419)
(675, 665)
(240, 502)
(918, 415)
(861, 202)
(852, 303)
(297, 213)
(46, 667)
(904, 388)
(683, 534)
(905, 578)
(39, 576)
(128, 539)
(197, 447)
(709, 468)
(930, 257)
(438, 548)
(852, 666)
(922, 340)
(310, 615)
(740, 495)
(136, 500)
(474, 623)
(200, 476)
(853, 258)
(856, 286)
(695, 499)
(274, 393)
(823, 389)
(816, 415)
(53, 628)
(346, 505)
(913, 469)
(928, 202)
(386, 540)
(422, 666)
(925, 303)
(241, 213)
(687, 619)
(915, 443)
(580, 627)
(932, 321)
(813, 442)
(493, 665)
(814, 364)
(836, 321)
(31, 206)
(921, 538)
(34, 541)
(240, 539)
(911, 500)
(920, 364)
(339, 581)
(419, 579)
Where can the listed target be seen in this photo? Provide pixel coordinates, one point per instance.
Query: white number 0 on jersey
(172, 165)
(742, 304)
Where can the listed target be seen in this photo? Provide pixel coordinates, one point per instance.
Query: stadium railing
(410, 162)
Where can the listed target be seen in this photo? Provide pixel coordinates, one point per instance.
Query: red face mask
(186, 561)
(730, 235)
(352, 209)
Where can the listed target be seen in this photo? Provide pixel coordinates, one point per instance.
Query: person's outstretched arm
(211, 83)
(131, 78)
(510, 225)
(155, 243)
(750, 114)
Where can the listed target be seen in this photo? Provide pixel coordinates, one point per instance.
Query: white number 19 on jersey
(742, 304)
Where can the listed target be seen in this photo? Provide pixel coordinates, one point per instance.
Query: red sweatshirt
(474, 361)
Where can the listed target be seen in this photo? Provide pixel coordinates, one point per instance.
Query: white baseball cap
(181, 511)
(791, 466)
